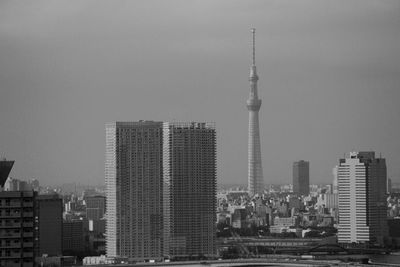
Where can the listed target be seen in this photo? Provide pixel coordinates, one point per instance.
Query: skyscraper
(362, 198)
(255, 173)
(189, 188)
(160, 189)
(133, 173)
(301, 177)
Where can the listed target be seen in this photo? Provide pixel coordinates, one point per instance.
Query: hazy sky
(329, 80)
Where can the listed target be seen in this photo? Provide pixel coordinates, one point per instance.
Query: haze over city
(329, 81)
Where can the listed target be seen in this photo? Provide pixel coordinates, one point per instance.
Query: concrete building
(160, 189)
(335, 180)
(17, 236)
(133, 173)
(189, 193)
(239, 218)
(95, 207)
(73, 237)
(362, 198)
(255, 172)
(49, 209)
(301, 178)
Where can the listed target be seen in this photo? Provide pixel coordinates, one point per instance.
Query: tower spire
(253, 31)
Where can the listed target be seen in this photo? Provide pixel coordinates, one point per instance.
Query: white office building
(362, 198)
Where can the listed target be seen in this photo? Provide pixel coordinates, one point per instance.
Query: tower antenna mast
(253, 31)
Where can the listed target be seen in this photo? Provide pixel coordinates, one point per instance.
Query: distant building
(49, 210)
(12, 184)
(239, 218)
(331, 201)
(301, 178)
(34, 184)
(73, 237)
(389, 186)
(17, 236)
(335, 180)
(95, 207)
(362, 198)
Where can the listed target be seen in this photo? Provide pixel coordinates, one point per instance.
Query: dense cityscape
(66, 225)
(161, 202)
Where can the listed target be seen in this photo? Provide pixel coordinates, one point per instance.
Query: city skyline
(330, 80)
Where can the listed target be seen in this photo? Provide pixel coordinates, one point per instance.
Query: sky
(329, 81)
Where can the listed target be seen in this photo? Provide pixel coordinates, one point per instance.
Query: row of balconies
(4, 245)
(4, 235)
(13, 255)
(17, 214)
(5, 225)
(15, 204)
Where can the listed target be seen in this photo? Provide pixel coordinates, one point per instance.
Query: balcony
(11, 245)
(10, 205)
(10, 225)
(28, 244)
(10, 235)
(10, 256)
(28, 234)
(27, 204)
(28, 224)
(28, 214)
(10, 215)
(28, 254)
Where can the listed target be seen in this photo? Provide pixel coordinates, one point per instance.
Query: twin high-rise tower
(255, 173)
(160, 189)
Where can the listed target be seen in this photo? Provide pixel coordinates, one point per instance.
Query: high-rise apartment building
(362, 198)
(301, 178)
(189, 163)
(255, 172)
(17, 223)
(160, 189)
(133, 174)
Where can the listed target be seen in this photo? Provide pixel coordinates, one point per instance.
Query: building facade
(17, 223)
(73, 239)
(255, 171)
(160, 189)
(190, 188)
(362, 199)
(49, 209)
(301, 178)
(133, 175)
(95, 207)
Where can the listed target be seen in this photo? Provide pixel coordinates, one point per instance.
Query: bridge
(248, 247)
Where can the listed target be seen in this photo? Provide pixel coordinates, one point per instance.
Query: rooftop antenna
(253, 31)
